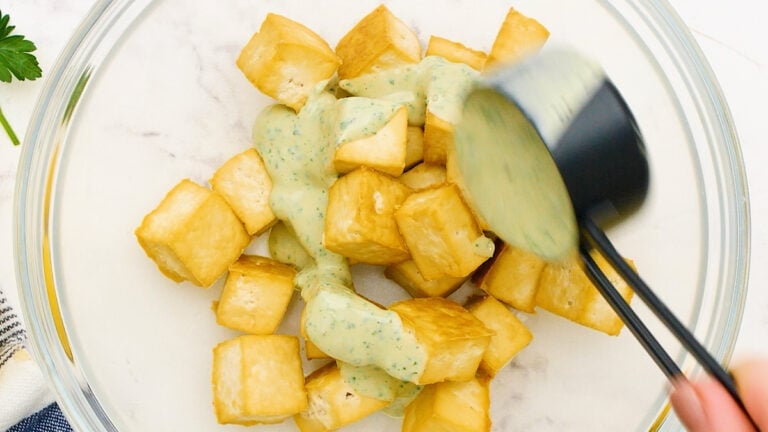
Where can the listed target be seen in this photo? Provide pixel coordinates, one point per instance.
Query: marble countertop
(732, 36)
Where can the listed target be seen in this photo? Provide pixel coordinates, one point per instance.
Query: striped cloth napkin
(26, 403)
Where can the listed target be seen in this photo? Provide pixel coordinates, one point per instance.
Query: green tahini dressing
(285, 247)
(434, 82)
(298, 152)
(370, 381)
(361, 117)
(519, 190)
(373, 382)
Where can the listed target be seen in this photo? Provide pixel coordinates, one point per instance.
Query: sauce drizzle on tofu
(298, 153)
(434, 82)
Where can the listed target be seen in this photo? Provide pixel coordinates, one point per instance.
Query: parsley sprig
(15, 62)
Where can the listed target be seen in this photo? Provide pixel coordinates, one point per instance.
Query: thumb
(704, 405)
(751, 378)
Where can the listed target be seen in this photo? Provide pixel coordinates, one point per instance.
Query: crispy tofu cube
(385, 150)
(379, 41)
(285, 60)
(441, 233)
(511, 334)
(192, 234)
(258, 379)
(438, 136)
(286, 248)
(310, 349)
(359, 221)
(451, 407)
(597, 313)
(518, 37)
(333, 403)
(423, 176)
(566, 290)
(562, 289)
(414, 146)
(455, 52)
(513, 277)
(245, 185)
(407, 275)
(255, 295)
(453, 339)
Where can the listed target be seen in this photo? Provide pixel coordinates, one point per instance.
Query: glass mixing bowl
(147, 93)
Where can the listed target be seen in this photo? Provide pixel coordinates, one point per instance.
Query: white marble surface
(732, 37)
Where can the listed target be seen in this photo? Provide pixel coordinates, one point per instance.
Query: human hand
(703, 405)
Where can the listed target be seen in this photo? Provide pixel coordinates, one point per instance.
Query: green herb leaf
(15, 58)
(15, 62)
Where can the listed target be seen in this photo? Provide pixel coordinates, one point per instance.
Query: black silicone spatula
(564, 102)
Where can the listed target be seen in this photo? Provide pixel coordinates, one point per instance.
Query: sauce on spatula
(546, 142)
(512, 177)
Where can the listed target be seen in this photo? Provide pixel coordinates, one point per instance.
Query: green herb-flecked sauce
(361, 117)
(373, 382)
(370, 381)
(434, 82)
(298, 152)
(406, 393)
(519, 190)
(286, 248)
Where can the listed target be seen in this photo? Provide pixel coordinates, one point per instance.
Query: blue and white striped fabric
(49, 419)
(25, 401)
(11, 331)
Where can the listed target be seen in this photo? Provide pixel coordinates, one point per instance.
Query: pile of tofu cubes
(402, 207)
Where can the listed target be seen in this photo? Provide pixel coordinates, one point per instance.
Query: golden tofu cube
(255, 295)
(378, 42)
(438, 136)
(192, 234)
(441, 233)
(453, 339)
(359, 221)
(597, 313)
(385, 150)
(414, 146)
(513, 277)
(285, 60)
(310, 349)
(451, 407)
(333, 403)
(408, 276)
(518, 37)
(423, 176)
(455, 52)
(562, 289)
(511, 334)
(566, 290)
(313, 352)
(245, 185)
(258, 379)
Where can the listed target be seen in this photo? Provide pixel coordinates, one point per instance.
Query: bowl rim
(46, 134)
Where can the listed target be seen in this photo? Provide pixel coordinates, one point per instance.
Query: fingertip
(685, 401)
(721, 411)
(751, 376)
